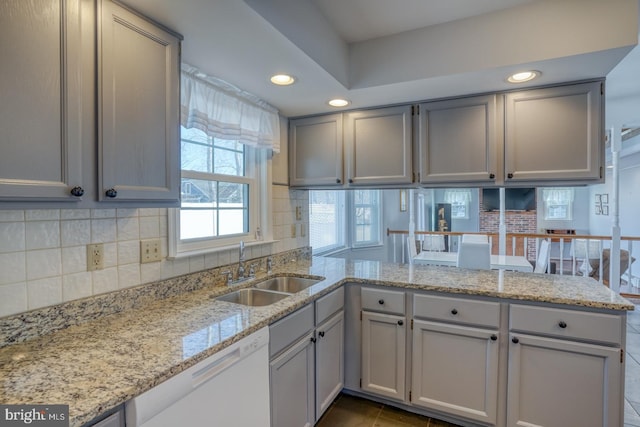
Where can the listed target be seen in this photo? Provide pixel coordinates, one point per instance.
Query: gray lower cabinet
(555, 134)
(378, 146)
(459, 141)
(383, 364)
(138, 114)
(565, 368)
(307, 361)
(41, 115)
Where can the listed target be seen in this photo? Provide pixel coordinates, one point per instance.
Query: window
(459, 200)
(219, 192)
(327, 220)
(366, 217)
(331, 213)
(558, 203)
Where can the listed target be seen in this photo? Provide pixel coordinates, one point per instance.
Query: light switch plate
(293, 230)
(298, 213)
(150, 250)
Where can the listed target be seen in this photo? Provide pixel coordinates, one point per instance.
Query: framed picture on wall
(598, 209)
(604, 198)
(598, 199)
(605, 210)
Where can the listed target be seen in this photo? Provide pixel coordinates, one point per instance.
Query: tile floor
(349, 411)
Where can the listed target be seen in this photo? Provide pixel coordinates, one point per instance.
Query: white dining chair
(474, 255)
(475, 238)
(543, 257)
(433, 242)
(412, 251)
(584, 250)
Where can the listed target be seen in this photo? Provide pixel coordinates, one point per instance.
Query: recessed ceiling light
(282, 79)
(339, 102)
(523, 76)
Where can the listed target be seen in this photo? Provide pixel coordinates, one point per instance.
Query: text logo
(34, 415)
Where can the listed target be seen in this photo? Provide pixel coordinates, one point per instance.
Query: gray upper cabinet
(41, 111)
(315, 151)
(458, 141)
(555, 134)
(138, 108)
(378, 144)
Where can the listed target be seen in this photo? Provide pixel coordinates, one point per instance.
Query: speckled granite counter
(102, 363)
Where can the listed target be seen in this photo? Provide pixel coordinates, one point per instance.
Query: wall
(43, 252)
(581, 213)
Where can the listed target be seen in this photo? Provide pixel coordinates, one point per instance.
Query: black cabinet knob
(313, 339)
(400, 322)
(337, 180)
(111, 193)
(321, 333)
(77, 191)
(492, 176)
(509, 175)
(454, 311)
(350, 181)
(494, 337)
(562, 324)
(380, 301)
(515, 340)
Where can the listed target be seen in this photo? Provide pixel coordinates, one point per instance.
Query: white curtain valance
(557, 195)
(457, 196)
(224, 111)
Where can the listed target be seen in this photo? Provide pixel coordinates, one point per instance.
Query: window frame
(354, 242)
(569, 203)
(341, 244)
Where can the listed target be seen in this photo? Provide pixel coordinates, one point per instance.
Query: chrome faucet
(269, 265)
(241, 261)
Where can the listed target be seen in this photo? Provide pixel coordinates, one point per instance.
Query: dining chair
(412, 251)
(584, 250)
(433, 242)
(543, 257)
(474, 255)
(475, 238)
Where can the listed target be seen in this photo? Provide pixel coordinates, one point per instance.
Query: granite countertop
(102, 363)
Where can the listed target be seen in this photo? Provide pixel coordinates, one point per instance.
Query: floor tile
(631, 417)
(636, 405)
(633, 344)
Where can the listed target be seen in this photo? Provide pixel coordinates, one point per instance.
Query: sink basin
(287, 284)
(252, 297)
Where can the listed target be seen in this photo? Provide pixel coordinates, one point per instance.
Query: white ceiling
(378, 52)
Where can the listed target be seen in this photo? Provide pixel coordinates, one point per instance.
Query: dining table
(498, 262)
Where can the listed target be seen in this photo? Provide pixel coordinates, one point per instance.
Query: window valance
(457, 196)
(557, 196)
(224, 111)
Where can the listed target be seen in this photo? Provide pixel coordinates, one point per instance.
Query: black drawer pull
(509, 175)
(321, 333)
(515, 340)
(454, 311)
(313, 339)
(562, 324)
(400, 322)
(381, 301)
(337, 180)
(492, 176)
(494, 337)
(77, 191)
(111, 193)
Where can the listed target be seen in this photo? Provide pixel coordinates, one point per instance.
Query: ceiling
(379, 52)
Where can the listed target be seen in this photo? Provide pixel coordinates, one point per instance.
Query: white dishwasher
(230, 389)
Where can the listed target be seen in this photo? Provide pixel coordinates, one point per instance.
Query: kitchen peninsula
(102, 363)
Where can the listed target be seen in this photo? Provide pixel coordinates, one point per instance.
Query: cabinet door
(555, 383)
(554, 134)
(138, 108)
(315, 151)
(292, 381)
(455, 370)
(378, 146)
(458, 140)
(329, 362)
(383, 355)
(41, 92)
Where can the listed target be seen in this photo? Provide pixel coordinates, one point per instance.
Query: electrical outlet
(303, 230)
(95, 257)
(293, 230)
(298, 213)
(150, 250)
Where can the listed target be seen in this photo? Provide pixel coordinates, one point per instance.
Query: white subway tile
(103, 213)
(12, 236)
(74, 260)
(43, 263)
(211, 260)
(180, 266)
(42, 234)
(224, 258)
(150, 272)
(166, 268)
(13, 268)
(128, 275)
(149, 227)
(126, 213)
(164, 226)
(128, 228)
(75, 286)
(75, 232)
(104, 280)
(13, 299)
(110, 255)
(103, 230)
(75, 214)
(148, 212)
(42, 214)
(128, 252)
(196, 263)
(11, 216)
(44, 292)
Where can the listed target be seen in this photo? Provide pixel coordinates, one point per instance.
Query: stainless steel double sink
(268, 291)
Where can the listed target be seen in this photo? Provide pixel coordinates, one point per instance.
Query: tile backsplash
(43, 255)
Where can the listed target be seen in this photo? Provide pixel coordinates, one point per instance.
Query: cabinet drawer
(457, 310)
(329, 304)
(382, 300)
(286, 331)
(604, 328)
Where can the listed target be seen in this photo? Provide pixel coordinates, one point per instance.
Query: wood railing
(527, 244)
